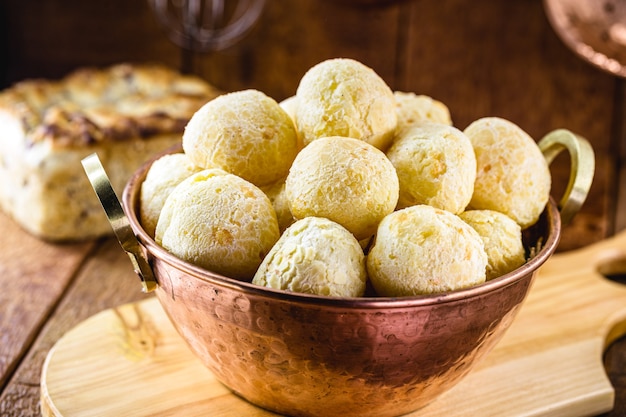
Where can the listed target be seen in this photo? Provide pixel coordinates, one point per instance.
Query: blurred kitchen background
(479, 57)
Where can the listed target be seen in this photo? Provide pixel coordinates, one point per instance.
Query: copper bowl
(594, 30)
(305, 355)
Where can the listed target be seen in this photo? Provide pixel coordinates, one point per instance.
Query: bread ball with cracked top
(345, 180)
(502, 238)
(315, 256)
(435, 165)
(222, 223)
(343, 97)
(245, 133)
(416, 108)
(512, 174)
(424, 250)
(163, 176)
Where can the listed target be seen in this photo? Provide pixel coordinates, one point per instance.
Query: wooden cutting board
(129, 361)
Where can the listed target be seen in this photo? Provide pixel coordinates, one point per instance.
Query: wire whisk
(207, 25)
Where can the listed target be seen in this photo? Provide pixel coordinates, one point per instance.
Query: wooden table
(480, 57)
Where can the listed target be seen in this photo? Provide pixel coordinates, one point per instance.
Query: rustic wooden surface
(480, 57)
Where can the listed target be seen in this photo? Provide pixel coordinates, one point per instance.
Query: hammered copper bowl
(306, 355)
(594, 30)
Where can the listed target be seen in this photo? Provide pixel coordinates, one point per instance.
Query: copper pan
(595, 30)
(305, 355)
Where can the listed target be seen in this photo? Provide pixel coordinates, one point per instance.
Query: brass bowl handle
(582, 162)
(119, 222)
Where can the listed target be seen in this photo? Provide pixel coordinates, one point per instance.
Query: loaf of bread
(125, 113)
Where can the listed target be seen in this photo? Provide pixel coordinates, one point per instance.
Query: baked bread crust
(126, 113)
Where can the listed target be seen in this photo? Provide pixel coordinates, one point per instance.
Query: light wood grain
(104, 280)
(130, 360)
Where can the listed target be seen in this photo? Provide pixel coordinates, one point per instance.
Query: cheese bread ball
(343, 97)
(315, 256)
(164, 174)
(345, 180)
(512, 175)
(502, 238)
(222, 223)
(245, 133)
(277, 195)
(413, 108)
(435, 165)
(425, 250)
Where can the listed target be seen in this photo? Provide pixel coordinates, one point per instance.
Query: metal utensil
(595, 30)
(119, 222)
(201, 25)
(206, 25)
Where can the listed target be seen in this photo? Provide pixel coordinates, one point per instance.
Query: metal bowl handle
(119, 222)
(582, 162)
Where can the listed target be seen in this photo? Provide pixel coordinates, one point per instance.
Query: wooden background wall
(480, 57)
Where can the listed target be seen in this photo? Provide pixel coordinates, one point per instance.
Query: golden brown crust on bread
(92, 105)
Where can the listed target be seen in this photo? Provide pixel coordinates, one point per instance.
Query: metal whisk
(206, 25)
